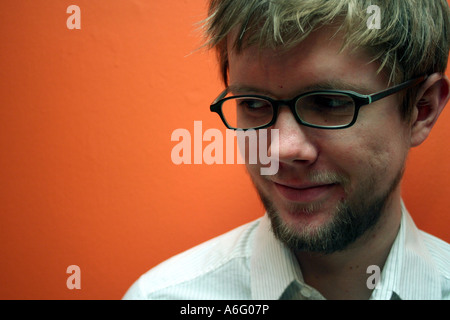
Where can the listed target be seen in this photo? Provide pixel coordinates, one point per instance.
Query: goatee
(352, 218)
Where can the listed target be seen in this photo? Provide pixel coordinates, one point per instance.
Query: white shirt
(250, 263)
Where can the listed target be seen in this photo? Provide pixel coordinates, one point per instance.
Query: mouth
(305, 193)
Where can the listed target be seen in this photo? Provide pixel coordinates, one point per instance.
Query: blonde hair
(413, 38)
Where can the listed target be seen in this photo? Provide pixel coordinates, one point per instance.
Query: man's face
(332, 185)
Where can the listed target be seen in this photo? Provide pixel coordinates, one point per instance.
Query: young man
(348, 101)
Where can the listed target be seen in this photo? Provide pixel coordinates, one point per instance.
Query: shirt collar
(273, 266)
(408, 274)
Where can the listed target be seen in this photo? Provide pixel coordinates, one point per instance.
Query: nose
(294, 146)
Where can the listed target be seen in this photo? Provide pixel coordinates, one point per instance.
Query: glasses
(324, 109)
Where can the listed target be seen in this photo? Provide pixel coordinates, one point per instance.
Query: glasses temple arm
(382, 94)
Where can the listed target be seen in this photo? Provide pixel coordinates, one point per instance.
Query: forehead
(318, 59)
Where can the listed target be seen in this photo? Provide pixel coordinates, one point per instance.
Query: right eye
(253, 104)
(247, 112)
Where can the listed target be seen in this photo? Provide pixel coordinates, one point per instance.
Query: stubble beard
(352, 218)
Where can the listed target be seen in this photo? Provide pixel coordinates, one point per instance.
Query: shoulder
(206, 271)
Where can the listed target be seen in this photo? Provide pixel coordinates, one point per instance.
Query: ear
(430, 101)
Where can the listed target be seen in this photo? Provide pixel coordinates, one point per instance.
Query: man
(348, 101)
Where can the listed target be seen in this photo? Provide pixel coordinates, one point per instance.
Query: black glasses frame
(360, 100)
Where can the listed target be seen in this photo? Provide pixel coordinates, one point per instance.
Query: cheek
(372, 160)
(259, 181)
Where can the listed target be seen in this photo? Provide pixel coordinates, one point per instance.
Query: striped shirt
(250, 263)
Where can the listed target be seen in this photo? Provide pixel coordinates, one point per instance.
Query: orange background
(86, 176)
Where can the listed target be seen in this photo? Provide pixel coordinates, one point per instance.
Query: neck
(343, 274)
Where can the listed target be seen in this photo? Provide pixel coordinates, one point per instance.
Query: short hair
(413, 38)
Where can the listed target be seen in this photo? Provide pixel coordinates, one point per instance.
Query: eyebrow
(244, 89)
(325, 85)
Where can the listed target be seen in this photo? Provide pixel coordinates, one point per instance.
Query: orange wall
(86, 176)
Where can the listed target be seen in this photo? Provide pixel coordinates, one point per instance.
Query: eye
(247, 111)
(333, 102)
(253, 104)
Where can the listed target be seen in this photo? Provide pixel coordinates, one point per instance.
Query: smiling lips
(303, 193)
